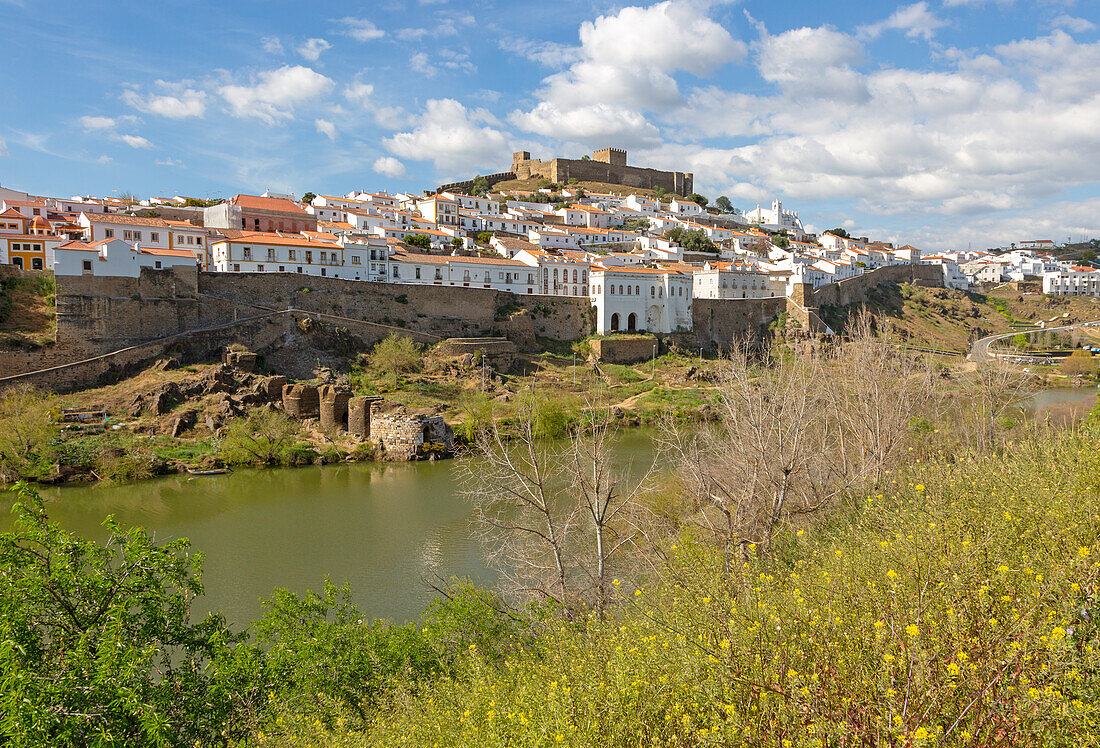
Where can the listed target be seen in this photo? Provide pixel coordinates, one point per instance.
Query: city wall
(595, 170)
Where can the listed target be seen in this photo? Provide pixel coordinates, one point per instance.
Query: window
(87, 265)
(395, 274)
(128, 235)
(438, 274)
(652, 291)
(628, 290)
(324, 271)
(324, 257)
(291, 254)
(190, 240)
(611, 289)
(355, 260)
(198, 240)
(108, 233)
(418, 273)
(137, 236)
(154, 237)
(466, 275)
(247, 253)
(36, 263)
(637, 290)
(270, 254)
(309, 255)
(157, 263)
(36, 211)
(259, 268)
(282, 269)
(299, 270)
(236, 267)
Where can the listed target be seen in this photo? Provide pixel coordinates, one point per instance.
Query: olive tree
(395, 354)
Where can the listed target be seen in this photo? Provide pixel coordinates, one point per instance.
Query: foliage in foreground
(959, 608)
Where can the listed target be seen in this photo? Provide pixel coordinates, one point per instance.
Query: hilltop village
(640, 257)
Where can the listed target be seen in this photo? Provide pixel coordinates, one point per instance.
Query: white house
(641, 298)
(686, 208)
(953, 276)
(776, 218)
(559, 274)
(278, 253)
(1073, 281)
(116, 258)
(733, 280)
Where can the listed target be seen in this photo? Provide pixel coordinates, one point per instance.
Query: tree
(556, 519)
(698, 199)
(262, 437)
(27, 424)
(395, 355)
(781, 241)
(659, 193)
(480, 186)
(1080, 363)
(98, 647)
(456, 242)
(418, 240)
(637, 224)
(484, 237)
(839, 232)
(674, 234)
(308, 197)
(723, 204)
(696, 240)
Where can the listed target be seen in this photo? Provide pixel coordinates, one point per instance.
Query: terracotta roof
(274, 204)
(128, 220)
(13, 213)
(167, 252)
(635, 269)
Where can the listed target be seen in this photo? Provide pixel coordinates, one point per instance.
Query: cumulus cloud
(326, 128)
(311, 49)
(361, 29)
(454, 138)
(179, 101)
(813, 62)
(135, 141)
(273, 94)
(629, 79)
(915, 21)
(390, 167)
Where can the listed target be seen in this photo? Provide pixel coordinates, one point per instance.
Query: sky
(942, 123)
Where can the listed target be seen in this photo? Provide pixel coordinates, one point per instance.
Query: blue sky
(944, 123)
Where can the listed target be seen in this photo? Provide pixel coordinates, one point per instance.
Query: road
(980, 350)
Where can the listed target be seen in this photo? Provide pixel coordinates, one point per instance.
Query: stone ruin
(411, 436)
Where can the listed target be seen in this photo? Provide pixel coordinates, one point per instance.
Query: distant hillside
(949, 320)
(1079, 251)
(532, 185)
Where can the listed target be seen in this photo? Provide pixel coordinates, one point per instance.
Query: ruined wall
(623, 350)
(854, 290)
(718, 324)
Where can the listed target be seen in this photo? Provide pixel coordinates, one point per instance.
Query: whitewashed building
(1075, 280)
(631, 298)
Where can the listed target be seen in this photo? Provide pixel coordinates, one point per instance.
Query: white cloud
(361, 30)
(179, 103)
(915, 20)
(326, 128)
(454, 138)
(419, 62)
(550, 54)
(102, 159)
(311, 49)
(3, 147)
(626, 66)
(976, 3)
(1072, 24)
(171, 162)
(272, 45)
(813, 63)
(97, 123)
(390, 167)
(135, 141)
(360, 94)
(274, 93)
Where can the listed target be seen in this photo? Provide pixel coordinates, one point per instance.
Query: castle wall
(610, 166)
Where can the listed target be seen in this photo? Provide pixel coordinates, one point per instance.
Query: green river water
(387, 529)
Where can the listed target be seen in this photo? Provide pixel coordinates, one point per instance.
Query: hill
(534, 183)
(949, 320)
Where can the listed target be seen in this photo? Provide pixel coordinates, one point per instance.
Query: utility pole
(653, 373)
(574, 368)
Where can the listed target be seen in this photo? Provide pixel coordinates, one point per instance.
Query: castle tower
(614, 156)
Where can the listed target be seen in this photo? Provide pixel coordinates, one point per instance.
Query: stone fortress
(606, 165)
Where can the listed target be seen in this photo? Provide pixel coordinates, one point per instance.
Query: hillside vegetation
(950, 320)
(27, 317)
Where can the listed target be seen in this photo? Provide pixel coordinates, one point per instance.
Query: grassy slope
(27, 317)
(949, 320)
(532, 185)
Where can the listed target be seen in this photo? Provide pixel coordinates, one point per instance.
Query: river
(388, 529)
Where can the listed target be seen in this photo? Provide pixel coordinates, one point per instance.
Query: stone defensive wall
(854, 290)
(607, 165)
(719, 324)
(490, 179)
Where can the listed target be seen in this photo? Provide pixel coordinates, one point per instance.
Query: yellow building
(25, 243)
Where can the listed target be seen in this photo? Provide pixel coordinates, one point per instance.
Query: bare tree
(607, 497)
(515, 487)
(876, 390)
(994, 388)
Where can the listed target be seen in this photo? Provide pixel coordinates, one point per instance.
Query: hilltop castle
(606, 165)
